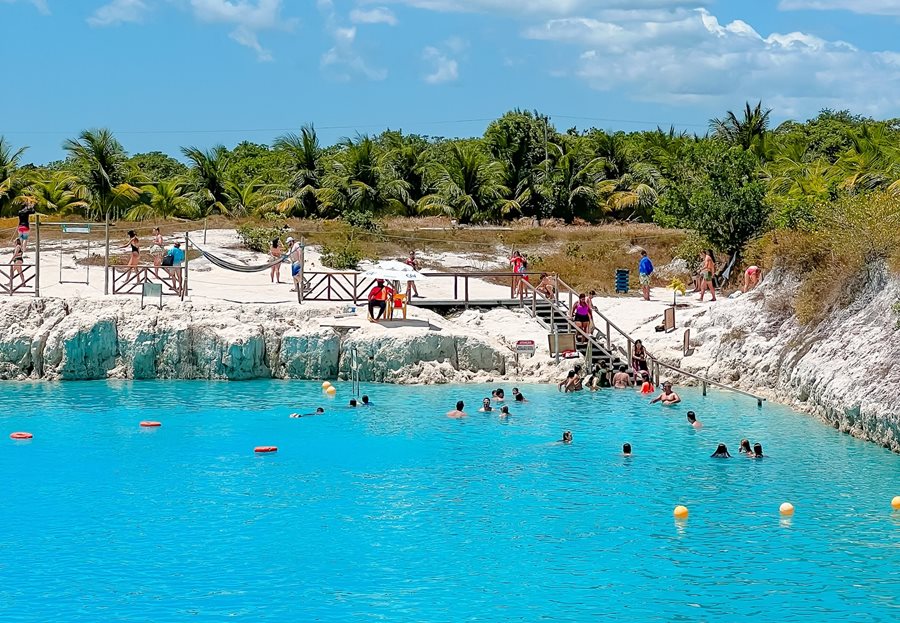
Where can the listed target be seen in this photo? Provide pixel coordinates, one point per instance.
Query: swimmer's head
(459, 405)
(745, 445)
(577, 368)
(320, 410)
(757, 449)
(486, 403)
(691, 417)
(571, 374)
(504, 409)
(515, 391)
(567, 436)
(520, 398)
(493, 393)
(365, 400)
(500, 393)
(353, 402)
(626, 449)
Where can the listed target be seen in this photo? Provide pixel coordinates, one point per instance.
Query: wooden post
(302, 260)
(204, 231)
(106, 261)
(184, 279)
(37, 257)
(467, 291)
(704, 388)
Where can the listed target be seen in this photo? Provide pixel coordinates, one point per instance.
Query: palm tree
(11, 180)
(61, 194)
(249, 198)
(629, 185)
(307, 165)
(164, 199)
(468, 187)
(748, 132)
(210, 181)
(358, 182)
(404, 159)
(872, 162)
(569, 181)
(102, 159)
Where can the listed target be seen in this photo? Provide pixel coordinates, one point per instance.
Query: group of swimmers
(601, 377)
(354, 403)
(498, 398)
(755, 452)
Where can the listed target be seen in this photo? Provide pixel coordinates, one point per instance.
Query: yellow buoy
(895, 503)
(326, 385)
(331, 391)
(680, 512)
(786, 509)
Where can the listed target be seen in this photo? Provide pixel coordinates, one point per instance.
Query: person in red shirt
(378, 298)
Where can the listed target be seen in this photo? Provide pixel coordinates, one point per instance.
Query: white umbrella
(392, 270)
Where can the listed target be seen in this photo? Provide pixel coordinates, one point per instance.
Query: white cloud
(248, 17)
(342, 61)
(866, 7)
(118, 12)
(444, 68)
(377, 15)
(40, 5)
(541, 7)
(687, 56)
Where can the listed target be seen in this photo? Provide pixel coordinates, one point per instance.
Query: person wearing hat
(667, 397)
(173, 259)
(378, 297)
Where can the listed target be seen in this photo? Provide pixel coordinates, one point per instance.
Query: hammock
(238, 268)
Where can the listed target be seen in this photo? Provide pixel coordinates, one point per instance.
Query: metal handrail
(653, 359)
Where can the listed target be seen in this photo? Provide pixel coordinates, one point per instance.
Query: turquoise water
(397, 513)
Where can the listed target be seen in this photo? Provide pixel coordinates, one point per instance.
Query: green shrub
(258, 238)
(690, 249)
(360, 220)
(347, 257)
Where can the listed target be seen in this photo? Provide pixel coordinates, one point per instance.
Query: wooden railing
(565, 292)
(352, 287)
(130, 280)
(14, 282)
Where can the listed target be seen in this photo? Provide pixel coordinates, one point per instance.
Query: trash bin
(622, 280)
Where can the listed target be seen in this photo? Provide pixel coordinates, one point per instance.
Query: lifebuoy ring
(150, 424)
(265, 449)
(21, 436)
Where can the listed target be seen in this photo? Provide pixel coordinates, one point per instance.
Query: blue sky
(167, 73)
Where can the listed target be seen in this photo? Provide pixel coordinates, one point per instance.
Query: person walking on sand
(157, 251)
(411, 290)
(276, 251)
(708, 274)
(645, 269)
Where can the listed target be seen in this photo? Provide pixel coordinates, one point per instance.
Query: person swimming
(622, 379)
(721, 452)
(626, 450)
(458, 412)
(504, 411)
(569, 383)
(486, 405)
(646, 383)
(518, 396)
(499, 396)
(757, 451)
(365, 401)
(319, 411)
(745, 447)
(667, 397)
(353, 402)
(693, 421)
(567, 437)
(595, 380)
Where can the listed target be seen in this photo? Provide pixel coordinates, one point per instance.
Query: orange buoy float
(151, 424)
(21, 436)
(265, 449)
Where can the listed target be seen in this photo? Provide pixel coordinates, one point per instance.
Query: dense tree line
(729, 185)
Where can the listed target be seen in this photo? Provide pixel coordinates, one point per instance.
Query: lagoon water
(397, 513)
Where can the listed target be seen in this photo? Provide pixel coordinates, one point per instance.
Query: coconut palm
(358, 182)
(11, 179)
(870, 163)
(569, 181)
(101, 160)
(209, 180)
(307, 165)
(60, 194)
(404, 159)
(630, 187)
(248, 198)
(162, 200)
(748, 132)
(468, 186)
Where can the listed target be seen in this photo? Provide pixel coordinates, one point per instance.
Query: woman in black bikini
(639, 357)
(135, 251)
(17, 259)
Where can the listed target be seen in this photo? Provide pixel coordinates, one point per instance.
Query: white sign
(76, 229)
(525, 347)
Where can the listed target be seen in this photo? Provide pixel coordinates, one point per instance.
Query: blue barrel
(622, 280)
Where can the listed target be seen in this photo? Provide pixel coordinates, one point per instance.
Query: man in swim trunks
(378, 297)
(645, 269)
(458, 412)
(752, 277)
(667, 397)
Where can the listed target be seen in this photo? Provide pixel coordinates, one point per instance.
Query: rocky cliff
(57, 339)
(845, 370)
